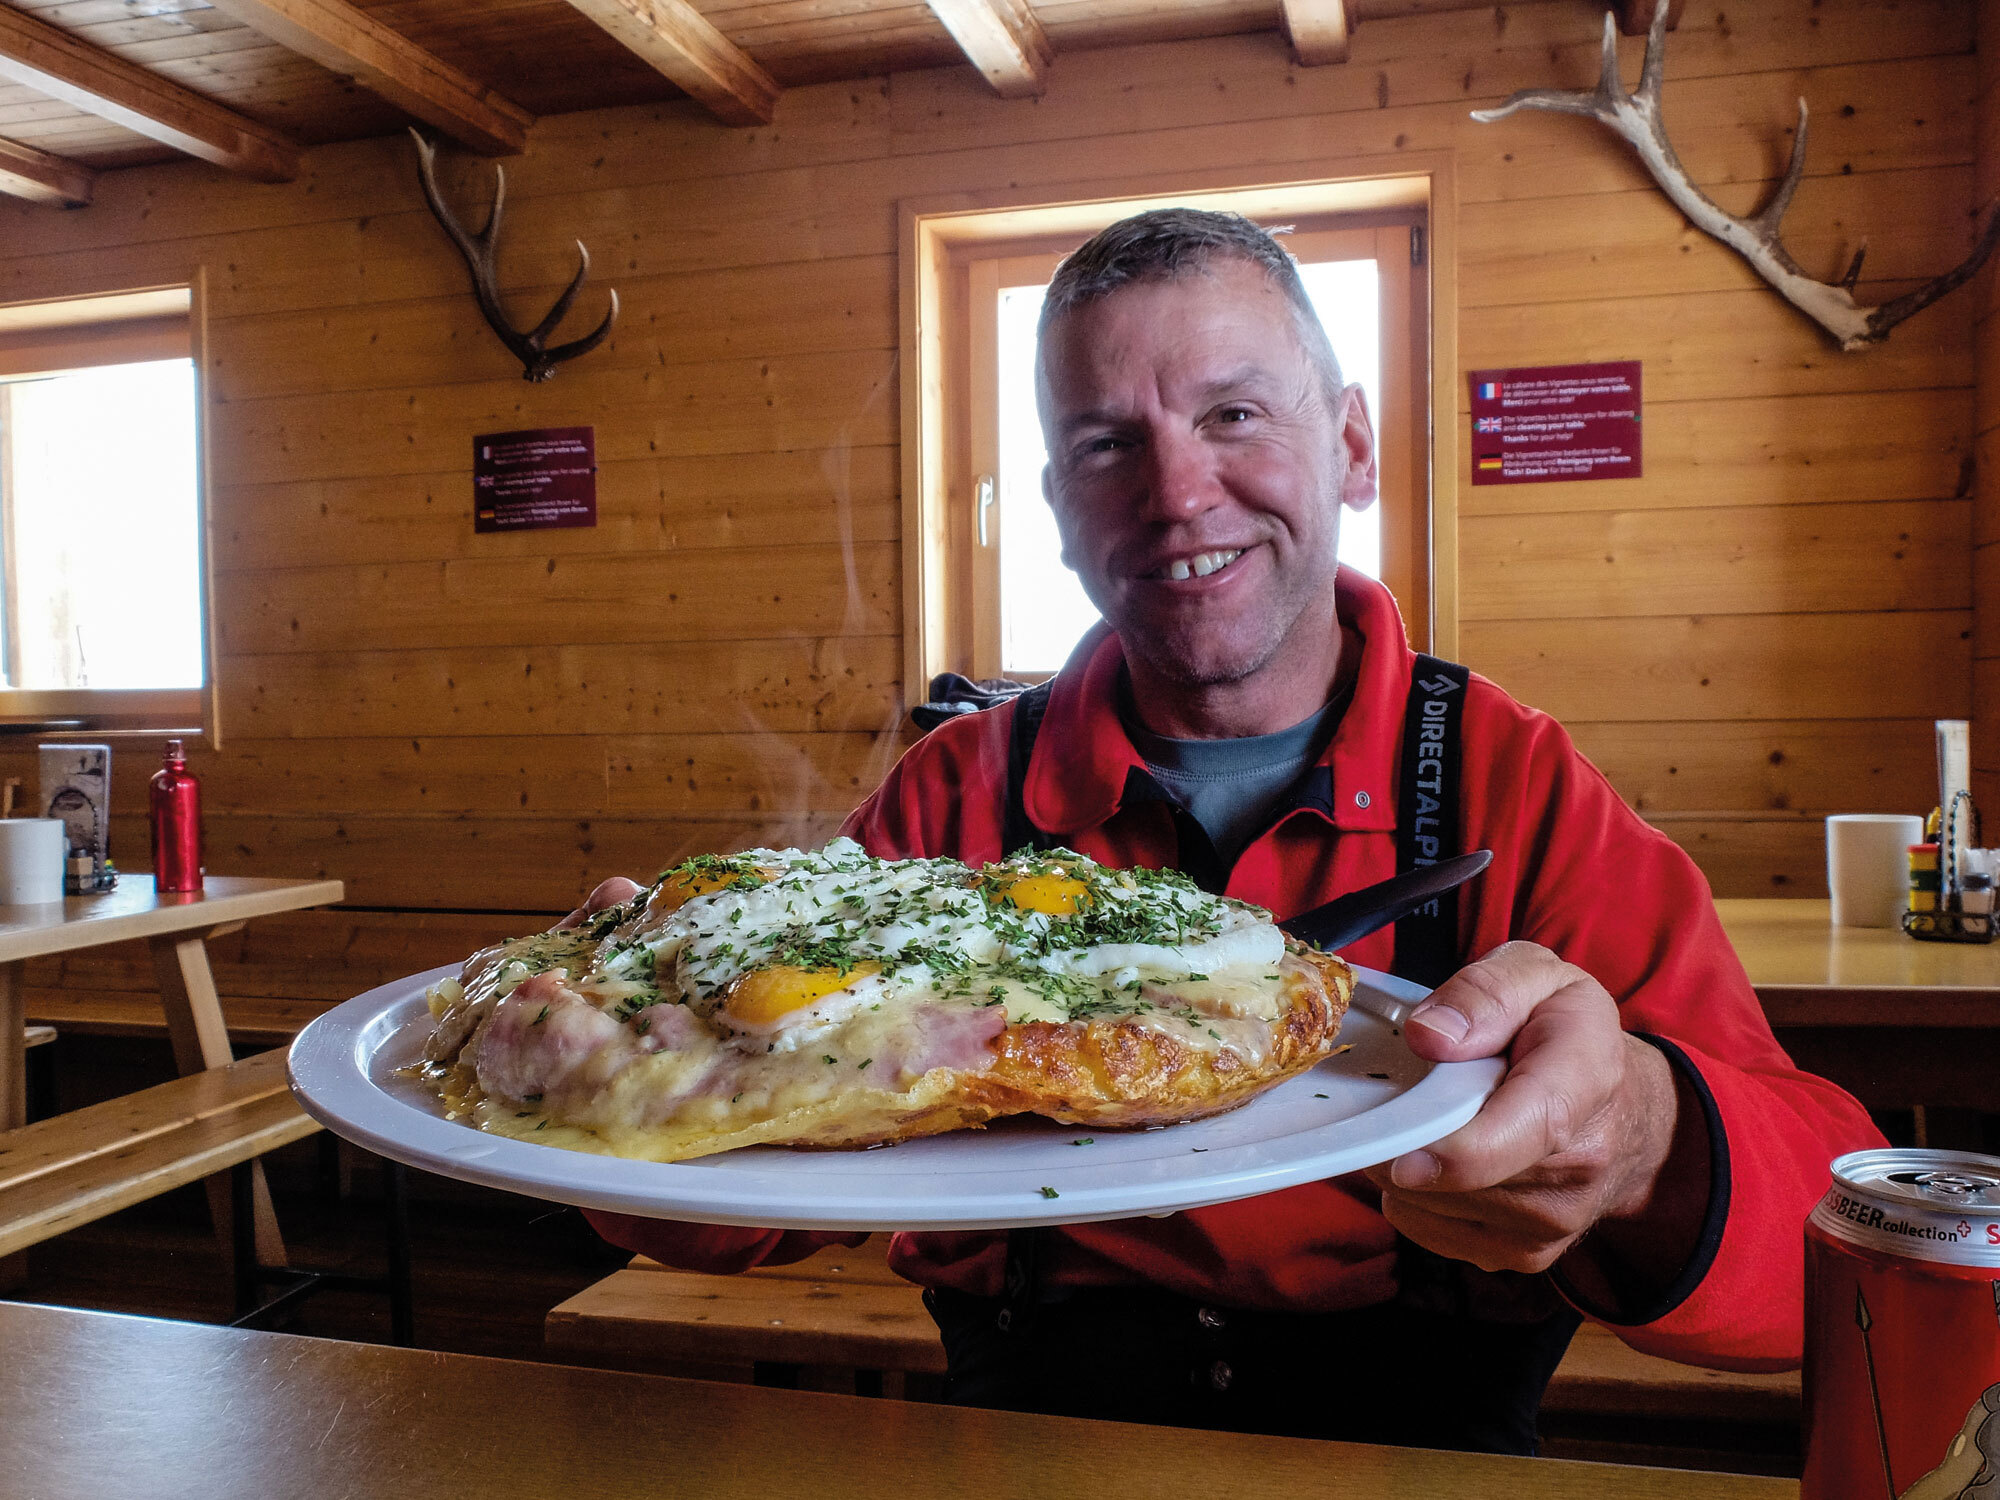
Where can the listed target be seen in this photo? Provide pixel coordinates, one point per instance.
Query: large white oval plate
(1364, 1106)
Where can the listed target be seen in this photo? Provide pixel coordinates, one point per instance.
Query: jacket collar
(1084, 760)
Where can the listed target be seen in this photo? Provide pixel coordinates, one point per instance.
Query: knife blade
(1358, 913)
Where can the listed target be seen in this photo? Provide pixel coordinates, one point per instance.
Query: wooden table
(177, 927)
(1896, 1022)
(95, 1404)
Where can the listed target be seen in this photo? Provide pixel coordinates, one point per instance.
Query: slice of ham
(943, 1036)
(545, 1040)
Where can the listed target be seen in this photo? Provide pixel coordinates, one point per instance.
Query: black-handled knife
(1359, 913)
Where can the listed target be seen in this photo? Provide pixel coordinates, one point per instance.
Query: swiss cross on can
(1902, 1377)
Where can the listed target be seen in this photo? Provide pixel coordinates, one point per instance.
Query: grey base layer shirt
(1231, 786)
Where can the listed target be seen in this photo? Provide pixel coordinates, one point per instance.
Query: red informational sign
(528, 481)
(1548, 423)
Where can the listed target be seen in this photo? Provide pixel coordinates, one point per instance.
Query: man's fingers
(1478, 1011)
(1486, 1245)
(610, 892)
(1567, 1062)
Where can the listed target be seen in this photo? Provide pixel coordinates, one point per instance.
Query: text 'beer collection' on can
(1902, 1377)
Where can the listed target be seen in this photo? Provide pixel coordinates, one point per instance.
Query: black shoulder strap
(1016, 832)
(1428, 822)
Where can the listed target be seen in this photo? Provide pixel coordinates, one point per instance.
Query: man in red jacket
(1651, 1154)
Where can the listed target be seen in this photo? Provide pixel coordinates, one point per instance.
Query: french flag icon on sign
(1490, 391)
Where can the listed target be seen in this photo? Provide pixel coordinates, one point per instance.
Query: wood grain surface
(1792, 949)
(73, 1168)
(490, 723)
(136, 910)
(93, 1404)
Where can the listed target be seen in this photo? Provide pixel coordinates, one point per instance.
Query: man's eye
(1234, 414)
(1103, 443)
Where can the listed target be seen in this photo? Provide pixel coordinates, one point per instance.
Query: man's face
(1196, 469)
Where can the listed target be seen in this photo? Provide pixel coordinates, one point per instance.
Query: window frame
(79, 330)
(942, 238)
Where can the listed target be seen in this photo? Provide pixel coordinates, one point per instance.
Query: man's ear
(1361, 485)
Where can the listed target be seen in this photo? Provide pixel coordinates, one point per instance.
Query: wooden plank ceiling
(90, 85)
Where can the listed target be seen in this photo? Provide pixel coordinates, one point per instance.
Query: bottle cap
(174, 750)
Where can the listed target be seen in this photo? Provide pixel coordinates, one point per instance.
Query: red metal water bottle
(176, 813)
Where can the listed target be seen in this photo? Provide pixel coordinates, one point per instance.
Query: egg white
(892, 914)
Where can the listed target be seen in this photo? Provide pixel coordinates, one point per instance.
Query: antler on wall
(1635, 117)
(538, 363)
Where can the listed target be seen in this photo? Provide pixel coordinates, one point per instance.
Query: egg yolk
(1052, 893)
(763, 996)
(676, 891)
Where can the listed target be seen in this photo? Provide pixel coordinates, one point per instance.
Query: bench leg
(201, 1040)
(13, 1089)
(396, 1210)
(243, 1238)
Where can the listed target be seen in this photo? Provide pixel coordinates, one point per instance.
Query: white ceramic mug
(32, 851)
(1868, 867)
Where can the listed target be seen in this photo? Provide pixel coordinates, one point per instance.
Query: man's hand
(608, 893)
(1577, 1133)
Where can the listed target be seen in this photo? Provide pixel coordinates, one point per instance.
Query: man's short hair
(1165, 244)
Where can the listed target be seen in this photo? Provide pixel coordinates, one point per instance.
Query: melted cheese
(738, 994)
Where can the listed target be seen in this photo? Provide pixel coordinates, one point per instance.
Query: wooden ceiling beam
(50, 61)
(41, 178)
(1318, 29)
(678, 41)
(347, 41)
(1001, 38)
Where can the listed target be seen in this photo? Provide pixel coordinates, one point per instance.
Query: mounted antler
(538, 363)
(1636, 118)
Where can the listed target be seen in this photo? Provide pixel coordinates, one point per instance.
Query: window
(985, 591)
(102, 568)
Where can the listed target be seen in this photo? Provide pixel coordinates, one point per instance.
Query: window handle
(983, 503)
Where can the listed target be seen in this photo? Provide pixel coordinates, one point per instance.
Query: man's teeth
(1202, 564)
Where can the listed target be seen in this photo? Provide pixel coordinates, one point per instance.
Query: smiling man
(1200, 445)
(1244, 714)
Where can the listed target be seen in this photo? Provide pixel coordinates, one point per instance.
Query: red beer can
(1902, 1376)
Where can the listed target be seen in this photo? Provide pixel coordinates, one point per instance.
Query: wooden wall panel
(1806, 766)
(1781, 450)
(489, 724)
(754, 686)
(643, 505)
(1750, 856)
(1985, 199)
(1710, 667)
(1742, 560)
(729, 594)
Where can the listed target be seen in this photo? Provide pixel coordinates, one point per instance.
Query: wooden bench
(255, 1021)
(838, 1320)
(69, 1170)
(843, 1311)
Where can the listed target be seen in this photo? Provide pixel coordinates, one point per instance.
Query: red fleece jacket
(1574, 870)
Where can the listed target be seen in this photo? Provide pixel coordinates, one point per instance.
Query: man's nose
(1180, 478)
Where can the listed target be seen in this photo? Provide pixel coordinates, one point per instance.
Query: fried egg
(748, 990)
